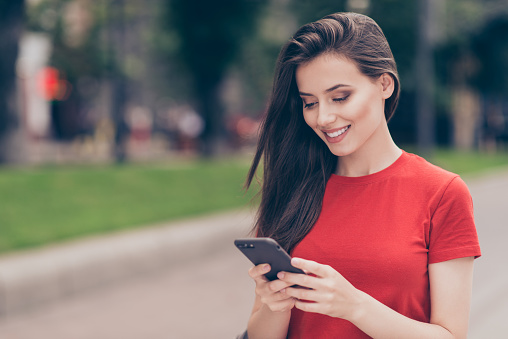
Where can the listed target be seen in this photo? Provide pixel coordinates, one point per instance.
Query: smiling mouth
(339, 132)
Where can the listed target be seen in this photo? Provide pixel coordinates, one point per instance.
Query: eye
(309, 105)
(341, 99)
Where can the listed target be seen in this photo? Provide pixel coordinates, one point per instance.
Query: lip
(338, 138)
(334, 130)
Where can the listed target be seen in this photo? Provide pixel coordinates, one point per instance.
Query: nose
(326, 115)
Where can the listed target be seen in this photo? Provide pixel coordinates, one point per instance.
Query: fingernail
(280, 275)
(295, 261)
(266, 268)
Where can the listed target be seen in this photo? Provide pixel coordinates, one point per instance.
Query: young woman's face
(344, 107)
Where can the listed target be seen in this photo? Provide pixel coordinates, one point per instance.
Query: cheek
(366, 109)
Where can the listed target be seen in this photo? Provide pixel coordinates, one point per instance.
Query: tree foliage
(491, 49)
(210, 34)
(11, 22)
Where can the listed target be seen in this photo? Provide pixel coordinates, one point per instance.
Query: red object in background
(52, 85)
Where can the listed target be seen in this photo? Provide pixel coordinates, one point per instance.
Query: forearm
(379, 321)
(266, 324)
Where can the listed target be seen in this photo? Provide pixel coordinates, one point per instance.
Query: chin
(339, 151)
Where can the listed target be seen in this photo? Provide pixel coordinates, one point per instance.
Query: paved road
(207, 298)
(489, 309)
(211, 298)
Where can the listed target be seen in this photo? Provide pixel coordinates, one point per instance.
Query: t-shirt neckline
(384, 173)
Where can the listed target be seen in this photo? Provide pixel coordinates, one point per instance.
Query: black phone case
(267, 251)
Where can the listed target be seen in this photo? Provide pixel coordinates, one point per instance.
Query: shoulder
(421, 167)
(421, 171)
(432, 181)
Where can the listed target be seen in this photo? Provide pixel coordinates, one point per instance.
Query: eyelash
(312, 104)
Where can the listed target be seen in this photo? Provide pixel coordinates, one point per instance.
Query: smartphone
(267, 251)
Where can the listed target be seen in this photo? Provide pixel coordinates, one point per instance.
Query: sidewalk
(204, 292)
(489, 308)
(195, 284)
(45, 275)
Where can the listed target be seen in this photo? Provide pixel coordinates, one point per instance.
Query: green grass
(45, 205)
(468, 163)
(39, 206)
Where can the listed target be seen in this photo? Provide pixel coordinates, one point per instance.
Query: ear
(388, 85)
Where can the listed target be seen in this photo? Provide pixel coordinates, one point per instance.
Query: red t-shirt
(381, 231)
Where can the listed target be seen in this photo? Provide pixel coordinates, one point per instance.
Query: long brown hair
(296, 162)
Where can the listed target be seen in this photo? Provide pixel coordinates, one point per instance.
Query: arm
(272, 308)
(265, 323)
(450, 286)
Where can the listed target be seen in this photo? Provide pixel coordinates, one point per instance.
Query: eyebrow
(331, 89)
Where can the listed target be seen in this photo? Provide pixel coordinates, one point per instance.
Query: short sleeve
(452, 229)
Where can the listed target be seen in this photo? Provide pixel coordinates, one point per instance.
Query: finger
(302, 293)
(278, 285)
(258, 272)
(281, 306)
(281, 296)
(271, 298)
(305, 306)
(299, 279)
(313, 267)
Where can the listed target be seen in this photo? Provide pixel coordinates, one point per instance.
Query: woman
(382, 234)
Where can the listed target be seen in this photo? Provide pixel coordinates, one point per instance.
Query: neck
(376, 154)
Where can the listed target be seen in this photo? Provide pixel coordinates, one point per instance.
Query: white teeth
(339, 132)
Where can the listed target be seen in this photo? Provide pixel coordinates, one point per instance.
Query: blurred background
(122, 114)
(121, 80)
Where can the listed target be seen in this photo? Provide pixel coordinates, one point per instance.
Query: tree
(471, 69)
(491, 49)
(88, 48)
(210, 35)
(11, 22)
(76, 53)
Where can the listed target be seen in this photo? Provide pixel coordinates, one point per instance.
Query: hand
(324, 291)
(271, 293)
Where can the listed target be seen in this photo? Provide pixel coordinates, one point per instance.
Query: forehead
(328, 70)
